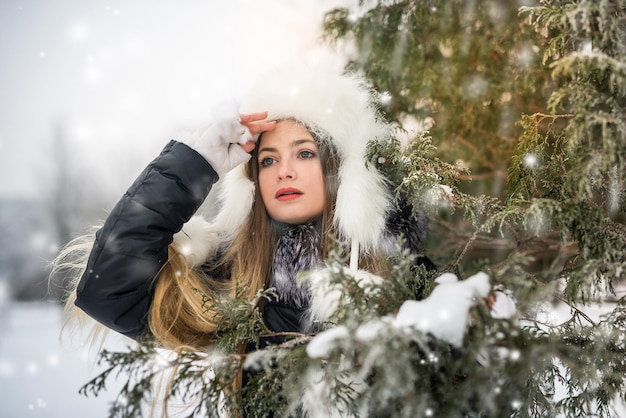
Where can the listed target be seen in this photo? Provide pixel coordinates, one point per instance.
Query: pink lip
(288, 193)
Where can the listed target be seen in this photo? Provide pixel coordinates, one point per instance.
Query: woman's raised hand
(256, 124)
(227, 141)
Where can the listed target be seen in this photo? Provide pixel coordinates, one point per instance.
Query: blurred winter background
(90, 92)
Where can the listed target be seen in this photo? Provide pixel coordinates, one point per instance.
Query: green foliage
(372, 367)
(414, 171)
(467, 66)
(237, 320)
(587, 60)
(558, 233)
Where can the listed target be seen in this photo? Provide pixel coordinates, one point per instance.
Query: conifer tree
(522, 171)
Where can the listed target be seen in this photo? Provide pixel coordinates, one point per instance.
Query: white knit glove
(217, 143)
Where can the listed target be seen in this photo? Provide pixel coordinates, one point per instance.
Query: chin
(295, 219)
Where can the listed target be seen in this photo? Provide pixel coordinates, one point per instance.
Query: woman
(291, 179)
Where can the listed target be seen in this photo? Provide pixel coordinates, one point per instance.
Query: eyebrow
(294, 144)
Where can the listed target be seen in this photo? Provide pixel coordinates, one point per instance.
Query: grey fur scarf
(298, 249)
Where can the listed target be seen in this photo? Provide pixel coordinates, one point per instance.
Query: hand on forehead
(256, 122)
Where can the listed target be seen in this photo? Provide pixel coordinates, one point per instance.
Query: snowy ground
(40, 376)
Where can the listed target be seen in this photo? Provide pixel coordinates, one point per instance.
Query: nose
(286, 171)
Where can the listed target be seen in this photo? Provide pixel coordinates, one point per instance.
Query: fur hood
(318, 93)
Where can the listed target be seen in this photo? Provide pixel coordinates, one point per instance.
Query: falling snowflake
(530, 160)
(385, 98)
(475, 87)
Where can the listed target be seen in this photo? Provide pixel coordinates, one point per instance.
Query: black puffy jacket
(131, 247)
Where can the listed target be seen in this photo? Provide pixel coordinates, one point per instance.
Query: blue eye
(307, 154)
(267, 161)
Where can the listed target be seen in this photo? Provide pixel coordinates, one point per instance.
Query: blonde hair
(70, 264)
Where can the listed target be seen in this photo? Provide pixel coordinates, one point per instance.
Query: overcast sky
(117, 78)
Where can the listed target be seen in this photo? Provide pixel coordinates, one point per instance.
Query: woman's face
(291, 182)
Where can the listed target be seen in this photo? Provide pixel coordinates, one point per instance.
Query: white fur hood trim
(197, 241)
(317, 92)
